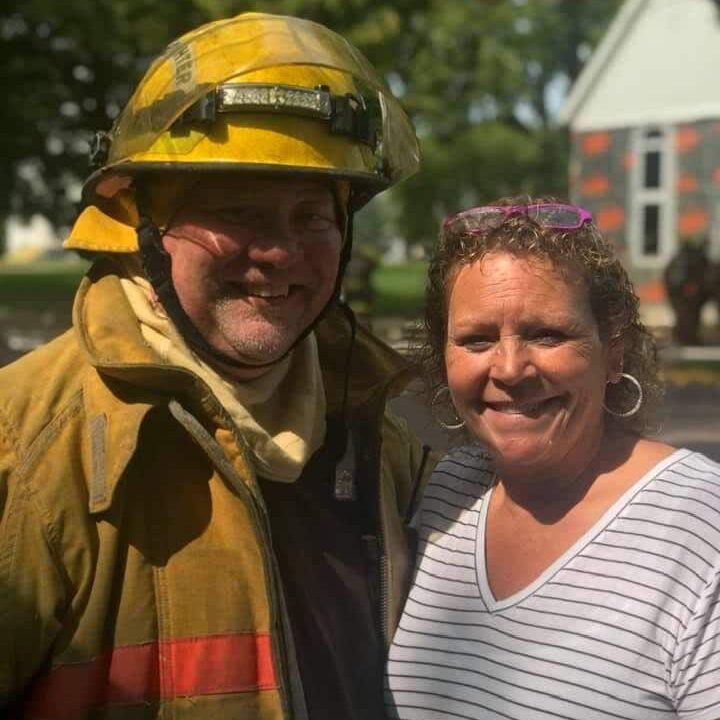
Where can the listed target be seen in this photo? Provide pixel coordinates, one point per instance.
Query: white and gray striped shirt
(626, 624)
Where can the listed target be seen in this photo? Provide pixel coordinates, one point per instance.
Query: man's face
(254, 261)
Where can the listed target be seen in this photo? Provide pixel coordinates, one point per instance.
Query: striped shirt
(626, 624)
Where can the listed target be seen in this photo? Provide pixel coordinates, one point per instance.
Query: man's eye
(317, 222)
(235, 216)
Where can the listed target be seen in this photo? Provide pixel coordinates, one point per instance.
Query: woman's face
(525, 365)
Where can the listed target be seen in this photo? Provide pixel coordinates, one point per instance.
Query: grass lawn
(400, 290)
(41, 284)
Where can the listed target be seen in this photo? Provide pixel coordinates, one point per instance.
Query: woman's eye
(548, 336)
(476, 343)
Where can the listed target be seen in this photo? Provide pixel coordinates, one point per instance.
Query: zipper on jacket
(217, 456)
(381, 550)
(383, 568)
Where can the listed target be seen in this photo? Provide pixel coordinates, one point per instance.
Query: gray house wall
(604, 175)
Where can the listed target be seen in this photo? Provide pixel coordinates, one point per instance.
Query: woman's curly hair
(614, 303)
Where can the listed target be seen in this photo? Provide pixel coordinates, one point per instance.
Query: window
(652, 200)
(652, 169)
(651, 229)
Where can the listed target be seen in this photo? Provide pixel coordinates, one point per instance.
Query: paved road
(690, 418)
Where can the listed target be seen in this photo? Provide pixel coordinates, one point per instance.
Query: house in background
(644, 119)
(27, 240)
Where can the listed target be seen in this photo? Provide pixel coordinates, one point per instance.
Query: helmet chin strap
(157, 265)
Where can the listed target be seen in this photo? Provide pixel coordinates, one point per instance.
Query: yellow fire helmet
(254, 93)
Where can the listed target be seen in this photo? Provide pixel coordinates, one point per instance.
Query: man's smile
(274, 291)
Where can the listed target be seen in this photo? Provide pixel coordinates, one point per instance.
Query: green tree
(477, 77)
(480, 82)
(65, 70)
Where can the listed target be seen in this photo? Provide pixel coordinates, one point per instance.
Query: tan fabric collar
(281, 414)
(132, 378)
(109, 333)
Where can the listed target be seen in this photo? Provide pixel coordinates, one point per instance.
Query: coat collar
(110, 336)
(131, 378)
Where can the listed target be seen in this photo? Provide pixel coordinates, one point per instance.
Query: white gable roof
(659, 62)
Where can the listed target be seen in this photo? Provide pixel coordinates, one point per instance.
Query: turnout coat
(137, 578)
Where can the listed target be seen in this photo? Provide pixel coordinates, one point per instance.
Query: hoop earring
(433, 408)
(638, 402)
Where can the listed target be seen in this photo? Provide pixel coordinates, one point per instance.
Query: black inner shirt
(330, 579)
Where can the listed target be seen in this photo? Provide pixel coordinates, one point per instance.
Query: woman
(569, 566)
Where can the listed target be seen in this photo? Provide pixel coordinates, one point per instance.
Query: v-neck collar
(613, 511)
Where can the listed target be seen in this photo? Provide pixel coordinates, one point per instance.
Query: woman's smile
(528, 409)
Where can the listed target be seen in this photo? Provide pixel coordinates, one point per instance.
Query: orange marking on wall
(693, 221)
(595, 185)
(652, 291)
(686, 139)
(610, 218)
(595, 143)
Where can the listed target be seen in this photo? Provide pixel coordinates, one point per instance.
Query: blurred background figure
(688, 282)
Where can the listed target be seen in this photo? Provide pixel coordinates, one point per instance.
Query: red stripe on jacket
(132, 674)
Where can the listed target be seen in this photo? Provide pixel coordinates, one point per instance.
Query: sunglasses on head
(487, 217)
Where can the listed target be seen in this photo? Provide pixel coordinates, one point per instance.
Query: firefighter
(202, 492)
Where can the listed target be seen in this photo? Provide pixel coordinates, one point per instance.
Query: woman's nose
(511, 361)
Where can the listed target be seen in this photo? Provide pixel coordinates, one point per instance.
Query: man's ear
(615, 361)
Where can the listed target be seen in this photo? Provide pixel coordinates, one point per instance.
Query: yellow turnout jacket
(137, 578)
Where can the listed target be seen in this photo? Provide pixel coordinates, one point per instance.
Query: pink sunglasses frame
(533, 211)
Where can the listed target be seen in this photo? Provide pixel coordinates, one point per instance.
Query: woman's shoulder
(688, 481)
(686, 459)
(458, 481)
(462, 465)
(648, 463)
(686, 464)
